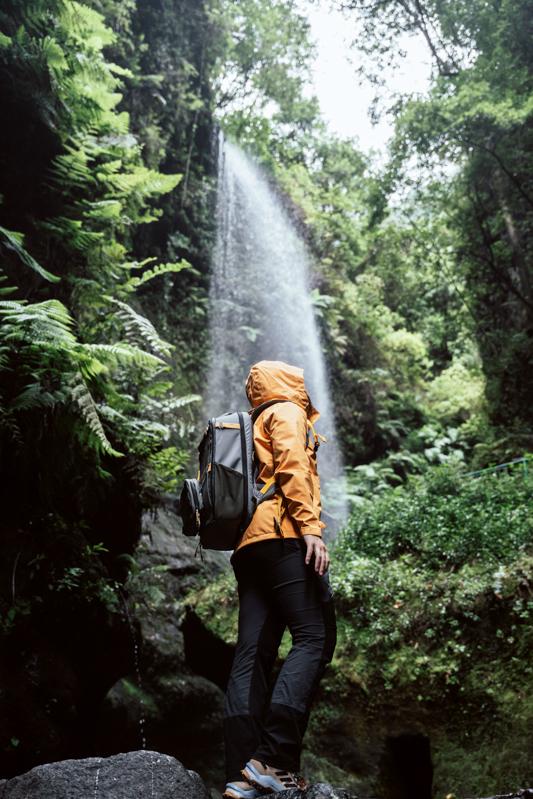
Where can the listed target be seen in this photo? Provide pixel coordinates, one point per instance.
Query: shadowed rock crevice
(406, 767)
(205, 653)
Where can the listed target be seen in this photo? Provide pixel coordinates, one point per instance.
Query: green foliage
(260, 75)
(445, 519)
(477, 116)
(68, 363)
(10, 240)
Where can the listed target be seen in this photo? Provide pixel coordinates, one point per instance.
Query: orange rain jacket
(285, 445)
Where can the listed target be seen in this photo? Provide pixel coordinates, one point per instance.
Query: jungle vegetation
(423, 286)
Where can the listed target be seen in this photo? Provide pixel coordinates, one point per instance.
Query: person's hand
(316, 547)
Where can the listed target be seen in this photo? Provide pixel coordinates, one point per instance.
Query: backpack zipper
(245, 468)
(210, 471)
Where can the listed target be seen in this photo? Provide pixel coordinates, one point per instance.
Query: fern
(39, 323)
(58, 374)
(14, 242)
(163, 269)
(4, 290)
(33, 396)
(170, 405)
(123, 353)
(139, 328)
(72, 232)
(83, 399)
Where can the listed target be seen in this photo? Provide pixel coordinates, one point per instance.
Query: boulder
(132, 775)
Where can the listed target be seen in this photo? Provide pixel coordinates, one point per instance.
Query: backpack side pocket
(191, 506)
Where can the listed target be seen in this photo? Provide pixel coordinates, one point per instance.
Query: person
(281, 565)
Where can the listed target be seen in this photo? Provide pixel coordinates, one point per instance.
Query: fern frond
(131, 265)
(5, 289)
(103, 210)
(138, 327)
(14, 242)
(122, 353)
(83, 399)
(33, 396)
(163, 269)
(134, 426)
(71, 231)
(143, 181)
(72, 167)
(169, 405)
(40, 322)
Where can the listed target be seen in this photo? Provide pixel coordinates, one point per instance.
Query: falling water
(136, 662)
(260, 304)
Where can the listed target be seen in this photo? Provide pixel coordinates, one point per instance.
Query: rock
(143, 774)
(163, 703)
(163, 543)
(319, 791)
(523, 793)
(133, 775)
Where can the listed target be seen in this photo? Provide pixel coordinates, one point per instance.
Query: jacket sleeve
(287, 428)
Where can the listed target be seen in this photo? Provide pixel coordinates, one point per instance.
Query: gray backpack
(219, 504)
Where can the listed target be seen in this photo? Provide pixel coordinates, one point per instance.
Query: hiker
(281, 565)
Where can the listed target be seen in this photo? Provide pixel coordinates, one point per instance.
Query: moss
(217, 605)
(141, 697)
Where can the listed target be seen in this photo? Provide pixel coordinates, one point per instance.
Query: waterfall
(260, 306)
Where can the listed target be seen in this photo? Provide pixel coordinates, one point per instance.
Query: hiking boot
(268, 779)
(240, 790)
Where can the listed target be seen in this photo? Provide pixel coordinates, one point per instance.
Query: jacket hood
(270, 380)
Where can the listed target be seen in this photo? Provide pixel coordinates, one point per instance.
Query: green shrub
(446, 519)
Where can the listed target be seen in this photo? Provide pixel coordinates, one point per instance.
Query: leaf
(33, 396)
(83, 399)
(122, 353)
(137, 326)
(157, 271)
(15, 242)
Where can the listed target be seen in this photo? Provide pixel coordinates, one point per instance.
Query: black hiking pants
(276, 590)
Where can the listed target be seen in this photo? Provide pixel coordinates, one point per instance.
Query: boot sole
(253, 778)
(264, 790)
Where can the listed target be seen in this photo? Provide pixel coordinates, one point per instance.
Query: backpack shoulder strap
(255, 412)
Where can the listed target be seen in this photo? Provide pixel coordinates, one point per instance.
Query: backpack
(219, 504)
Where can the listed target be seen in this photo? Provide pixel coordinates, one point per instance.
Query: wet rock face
(164, 702)
(134, 775)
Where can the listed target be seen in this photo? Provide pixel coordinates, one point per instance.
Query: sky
(343, 101)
